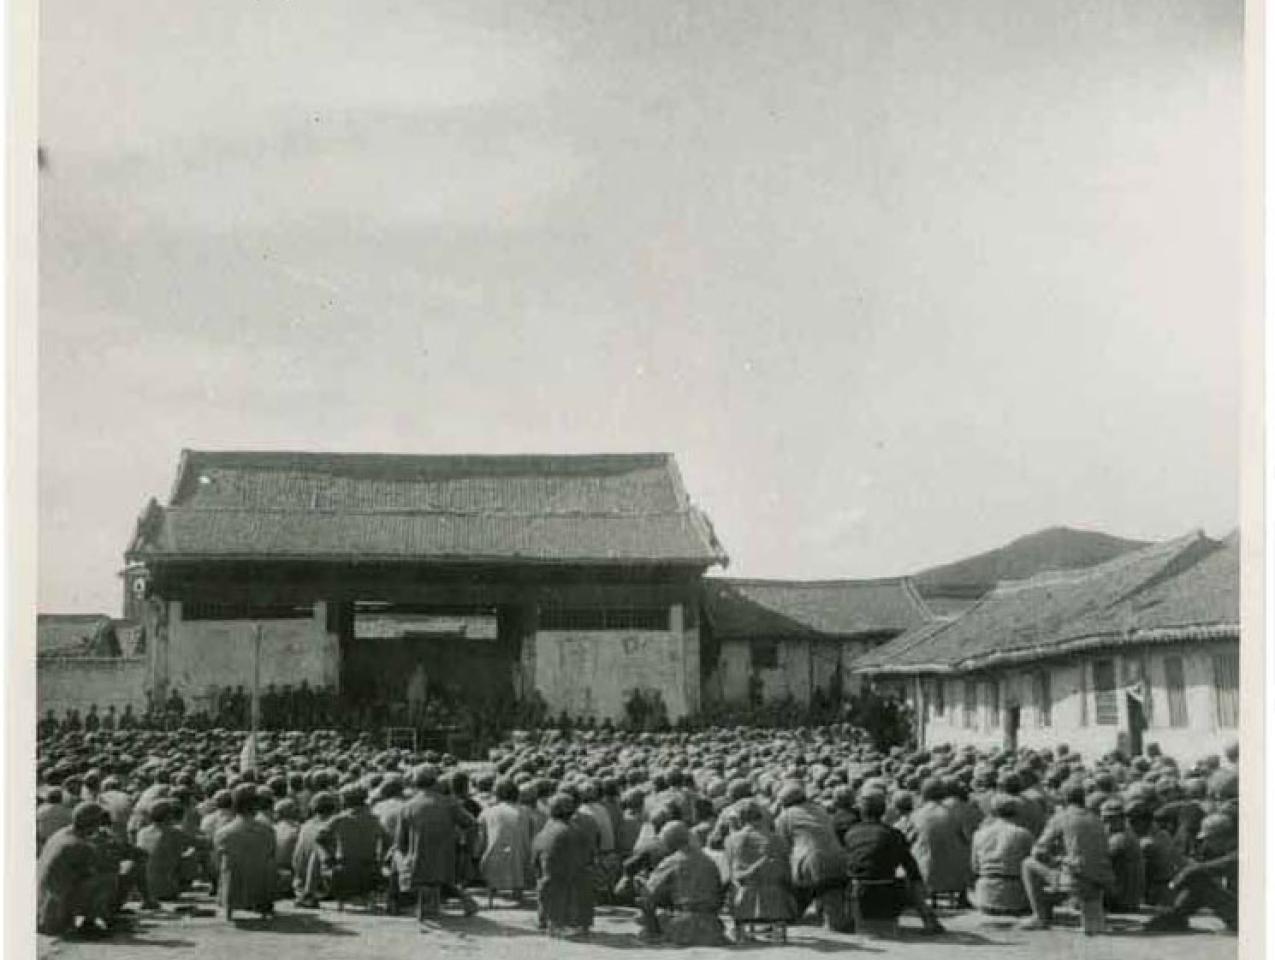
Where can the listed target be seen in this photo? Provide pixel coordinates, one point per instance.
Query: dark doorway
(1137, 724)
(1013, 717)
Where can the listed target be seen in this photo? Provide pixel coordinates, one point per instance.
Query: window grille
(1175, 687)
(1226, 688)
(1105, 708)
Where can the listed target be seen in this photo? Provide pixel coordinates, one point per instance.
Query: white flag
(248, 756)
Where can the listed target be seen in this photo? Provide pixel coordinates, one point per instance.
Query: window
(763, 654)
(1044, 699)
(970, 706)
(632, 618)
(1226, 688)
(993, 695)
(1105, 708)
(1175, 687)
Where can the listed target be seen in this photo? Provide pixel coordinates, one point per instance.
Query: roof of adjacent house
(744, 609)
(1182, 589)
(606, 508)
(83, 635)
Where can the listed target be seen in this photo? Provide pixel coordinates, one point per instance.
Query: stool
(1093, 917)
(870, 926)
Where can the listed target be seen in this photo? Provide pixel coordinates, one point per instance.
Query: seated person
(1071, 857)
(758, 866)
(875, 853)
(1000, 846)
(354, 846)
(1208, 882)
(1125, 895)
(73, 882)
(683, 894)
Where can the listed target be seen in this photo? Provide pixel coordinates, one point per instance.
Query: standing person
(504, 842)
(758, 864)
(1070, 856)
(244, 850)
(1000, 846)
(817, 859)
(425, 844)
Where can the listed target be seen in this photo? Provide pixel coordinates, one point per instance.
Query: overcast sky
(896, 281)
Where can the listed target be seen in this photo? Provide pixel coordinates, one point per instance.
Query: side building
(772, 640)
(387, 579)
(1140, 649)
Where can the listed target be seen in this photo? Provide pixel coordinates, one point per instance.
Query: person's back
(164, 844)
(245, 850)
(50, 817)
(939, 848)
(1129, 868)
(999, 848)
(505, 850)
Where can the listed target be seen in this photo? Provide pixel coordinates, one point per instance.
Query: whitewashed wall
(1073, 712)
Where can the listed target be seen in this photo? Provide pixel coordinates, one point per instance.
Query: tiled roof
(740, 609)
(599, 508)
(1175, 589)
(83, 635)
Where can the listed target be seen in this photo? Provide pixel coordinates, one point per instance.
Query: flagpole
(256, 689)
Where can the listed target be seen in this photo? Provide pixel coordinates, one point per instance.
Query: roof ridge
(832, 582)
(489, 514)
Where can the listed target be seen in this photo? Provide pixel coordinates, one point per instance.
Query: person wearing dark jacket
(1206, 883)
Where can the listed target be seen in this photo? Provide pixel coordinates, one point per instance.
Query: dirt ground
(508, 933)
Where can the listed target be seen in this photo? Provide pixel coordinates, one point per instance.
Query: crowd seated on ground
(727, 828)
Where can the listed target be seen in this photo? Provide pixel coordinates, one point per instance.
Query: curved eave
(1150, 637)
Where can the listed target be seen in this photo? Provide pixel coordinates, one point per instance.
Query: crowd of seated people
(737, 829)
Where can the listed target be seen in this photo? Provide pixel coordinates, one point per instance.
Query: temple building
(382, 577)
(774, 640)
(1143, 648)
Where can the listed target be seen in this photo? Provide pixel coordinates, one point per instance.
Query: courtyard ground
(506, 933)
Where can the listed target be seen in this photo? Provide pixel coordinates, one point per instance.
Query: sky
(897, 282)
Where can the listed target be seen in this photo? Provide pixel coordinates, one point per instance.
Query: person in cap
(1069, 857)
(875, 853)
(353, 845)
(817, 860)
(287, 830)
(504, 842)
(167, 847)
(1160, 858)
(430, 827)
(1000, 846)
(1209, 882)
(1127, 864)
(308, 881)
(561, 853)
(757, 863)
(244, 851)
(938, 843)
(73, 883)
(50, 816)
(683, 894)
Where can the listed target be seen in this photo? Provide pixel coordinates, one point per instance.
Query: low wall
(79, 682)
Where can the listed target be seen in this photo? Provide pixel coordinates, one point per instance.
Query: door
(1013, 716)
